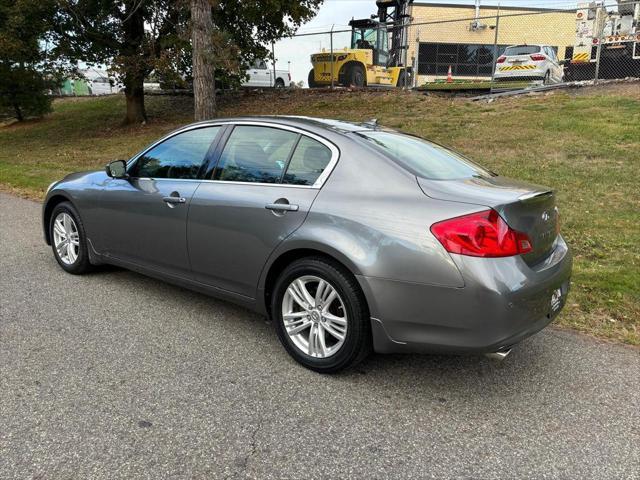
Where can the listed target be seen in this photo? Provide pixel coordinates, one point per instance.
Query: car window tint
(307, 163)
(255, 154)
(423, 158)
(177, 157)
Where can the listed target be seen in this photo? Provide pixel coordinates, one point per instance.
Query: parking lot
(114, 374)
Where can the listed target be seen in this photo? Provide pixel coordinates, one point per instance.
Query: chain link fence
(449, 47)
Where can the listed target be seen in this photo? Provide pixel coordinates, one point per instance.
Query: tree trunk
(134, 94)
(204, 88)
(18, 111)
(135, 63)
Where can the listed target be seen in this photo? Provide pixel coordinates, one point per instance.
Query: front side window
(180, 156)
(423, 158)
(255, 154)
(307, 163)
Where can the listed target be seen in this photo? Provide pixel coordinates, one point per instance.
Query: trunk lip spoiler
(532, 195)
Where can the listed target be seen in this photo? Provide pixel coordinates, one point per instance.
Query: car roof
(312, 123)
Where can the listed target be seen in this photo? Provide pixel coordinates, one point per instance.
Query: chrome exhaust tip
(499, 355)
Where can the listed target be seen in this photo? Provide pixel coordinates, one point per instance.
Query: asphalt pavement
(114, 375)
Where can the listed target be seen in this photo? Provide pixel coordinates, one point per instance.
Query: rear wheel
(68, 239)
(279, 83)
(402, 79)
(356, 76)
(547, 79)
(312, 80)
(321, 316)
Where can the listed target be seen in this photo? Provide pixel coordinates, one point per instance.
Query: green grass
(586, 146)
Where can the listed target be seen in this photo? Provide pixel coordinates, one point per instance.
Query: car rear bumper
(503, 302)
(520, 74)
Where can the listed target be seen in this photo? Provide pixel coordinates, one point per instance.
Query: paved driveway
(117, 375)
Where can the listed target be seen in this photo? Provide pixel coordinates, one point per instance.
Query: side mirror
(117, 169)
(564, 62)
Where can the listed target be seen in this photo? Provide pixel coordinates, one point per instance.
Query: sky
(294, 53)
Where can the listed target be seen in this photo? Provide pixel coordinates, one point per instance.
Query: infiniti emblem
(545, 216)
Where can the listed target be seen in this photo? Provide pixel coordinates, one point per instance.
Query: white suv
(529, 62)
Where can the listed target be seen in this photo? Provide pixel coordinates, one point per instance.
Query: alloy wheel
(314, 316)
(66, 238)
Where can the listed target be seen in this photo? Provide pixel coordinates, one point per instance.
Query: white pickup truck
(261, 75)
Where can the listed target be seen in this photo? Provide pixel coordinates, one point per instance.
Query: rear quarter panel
(372, 216)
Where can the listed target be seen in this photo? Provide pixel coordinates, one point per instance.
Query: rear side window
(521, 50)
(255, 154)
(307, 163)
(423, 158)
(177, 157)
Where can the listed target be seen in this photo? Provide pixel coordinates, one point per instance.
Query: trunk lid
(526, 207)
(517, 59)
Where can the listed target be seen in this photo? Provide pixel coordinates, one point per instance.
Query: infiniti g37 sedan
(351, 237)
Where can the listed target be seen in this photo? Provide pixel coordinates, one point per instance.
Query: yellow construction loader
(370, 60)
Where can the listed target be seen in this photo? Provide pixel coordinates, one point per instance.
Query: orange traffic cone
(449, 76)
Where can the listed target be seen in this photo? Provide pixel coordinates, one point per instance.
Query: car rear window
(522, 50)
(423, 158)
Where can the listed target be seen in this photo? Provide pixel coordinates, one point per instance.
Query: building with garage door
(462, 36)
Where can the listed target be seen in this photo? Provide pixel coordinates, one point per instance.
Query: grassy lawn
(585, 144)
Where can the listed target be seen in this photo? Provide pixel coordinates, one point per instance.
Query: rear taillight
(482, 234)
(501, 59)
(536, 57)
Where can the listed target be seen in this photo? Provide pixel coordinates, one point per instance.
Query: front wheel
(403, 79)
(68, 239)
(279, 83)
(321, 316)
(356, 76)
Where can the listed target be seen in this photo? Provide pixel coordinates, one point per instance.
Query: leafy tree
(253, 24)
(25, 72)
(133, 36)
(238, 31)
(137, 37)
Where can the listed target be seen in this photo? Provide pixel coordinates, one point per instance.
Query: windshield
(364, 38)
(423, 158)
(522, 50)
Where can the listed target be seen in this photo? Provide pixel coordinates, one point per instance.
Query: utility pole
(273, 55)
(495, 48)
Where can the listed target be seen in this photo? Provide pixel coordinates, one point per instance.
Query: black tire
(81, 264)
(279, 83)
(356, 76)
(357, 343)
(402, 79)
(311, 80)
(547, 79)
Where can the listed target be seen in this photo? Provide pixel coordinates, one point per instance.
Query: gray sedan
(351, 237)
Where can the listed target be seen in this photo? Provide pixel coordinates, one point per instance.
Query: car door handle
(174, 199)
(282, 207)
